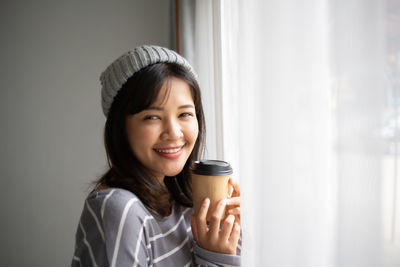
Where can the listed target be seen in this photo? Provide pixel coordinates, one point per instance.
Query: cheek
(143, 134)
(141, 137)
(193, 131)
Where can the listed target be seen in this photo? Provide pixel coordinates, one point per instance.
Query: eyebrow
(161, 108)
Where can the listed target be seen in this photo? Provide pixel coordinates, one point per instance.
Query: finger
(236, 214)
(237, 219)
(234, 238)
(201, 220)
(233, 201)
(234, 211)
(216, 218)
(194, 228)
(230, 190)
(227, 227)
(236, 187)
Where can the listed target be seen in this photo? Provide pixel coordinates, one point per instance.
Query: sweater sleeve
(124, 233)
(205, 257)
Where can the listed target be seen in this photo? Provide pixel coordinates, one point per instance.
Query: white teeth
(169, 150)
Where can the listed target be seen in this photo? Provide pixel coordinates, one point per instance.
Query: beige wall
(52, 53)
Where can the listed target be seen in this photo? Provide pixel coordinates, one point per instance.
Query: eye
(151, 117)
(186, 114)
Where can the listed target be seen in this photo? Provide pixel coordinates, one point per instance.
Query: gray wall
(52, 53)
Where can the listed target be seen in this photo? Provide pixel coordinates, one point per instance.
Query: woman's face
(163, 135)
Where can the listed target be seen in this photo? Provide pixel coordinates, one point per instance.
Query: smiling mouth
(171, 150)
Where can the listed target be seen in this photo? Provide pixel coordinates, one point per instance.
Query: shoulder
(121, 215)
(110, 192)
(112, 203)
(114, 217)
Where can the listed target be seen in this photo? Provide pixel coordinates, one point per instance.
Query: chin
(173, 171)
(172, 168)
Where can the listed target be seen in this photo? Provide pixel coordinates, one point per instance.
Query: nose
(172, 130)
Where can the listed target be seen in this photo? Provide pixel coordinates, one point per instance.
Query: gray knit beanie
(131, 62)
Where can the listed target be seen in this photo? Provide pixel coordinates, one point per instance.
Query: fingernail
(207, 201)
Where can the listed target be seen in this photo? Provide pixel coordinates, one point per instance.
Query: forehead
(174, 90)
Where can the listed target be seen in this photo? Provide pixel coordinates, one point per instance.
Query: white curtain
(302, 97)
(201, 45)
(284, 132)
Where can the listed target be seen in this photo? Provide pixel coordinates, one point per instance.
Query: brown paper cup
(210, 179)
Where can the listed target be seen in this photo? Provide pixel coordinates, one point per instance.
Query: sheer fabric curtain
(285, 132)
(201, 45)
(305, 102)
(302, 97)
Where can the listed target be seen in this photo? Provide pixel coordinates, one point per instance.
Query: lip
(174, 155)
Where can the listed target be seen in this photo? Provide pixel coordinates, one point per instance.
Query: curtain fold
(360, 89)
(201, 45)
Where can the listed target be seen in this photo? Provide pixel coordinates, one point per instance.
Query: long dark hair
(126, 171)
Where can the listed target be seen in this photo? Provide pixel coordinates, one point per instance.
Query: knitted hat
(131, 62)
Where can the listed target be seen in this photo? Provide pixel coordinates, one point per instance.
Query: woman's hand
(220, 235)
(233, 202)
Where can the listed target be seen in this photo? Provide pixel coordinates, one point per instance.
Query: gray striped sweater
(116, 229)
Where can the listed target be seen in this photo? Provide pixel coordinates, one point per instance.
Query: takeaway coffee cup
(210, 178)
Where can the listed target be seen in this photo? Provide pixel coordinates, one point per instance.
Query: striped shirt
(116, 229)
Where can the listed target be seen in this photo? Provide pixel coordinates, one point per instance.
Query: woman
(139, 214)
